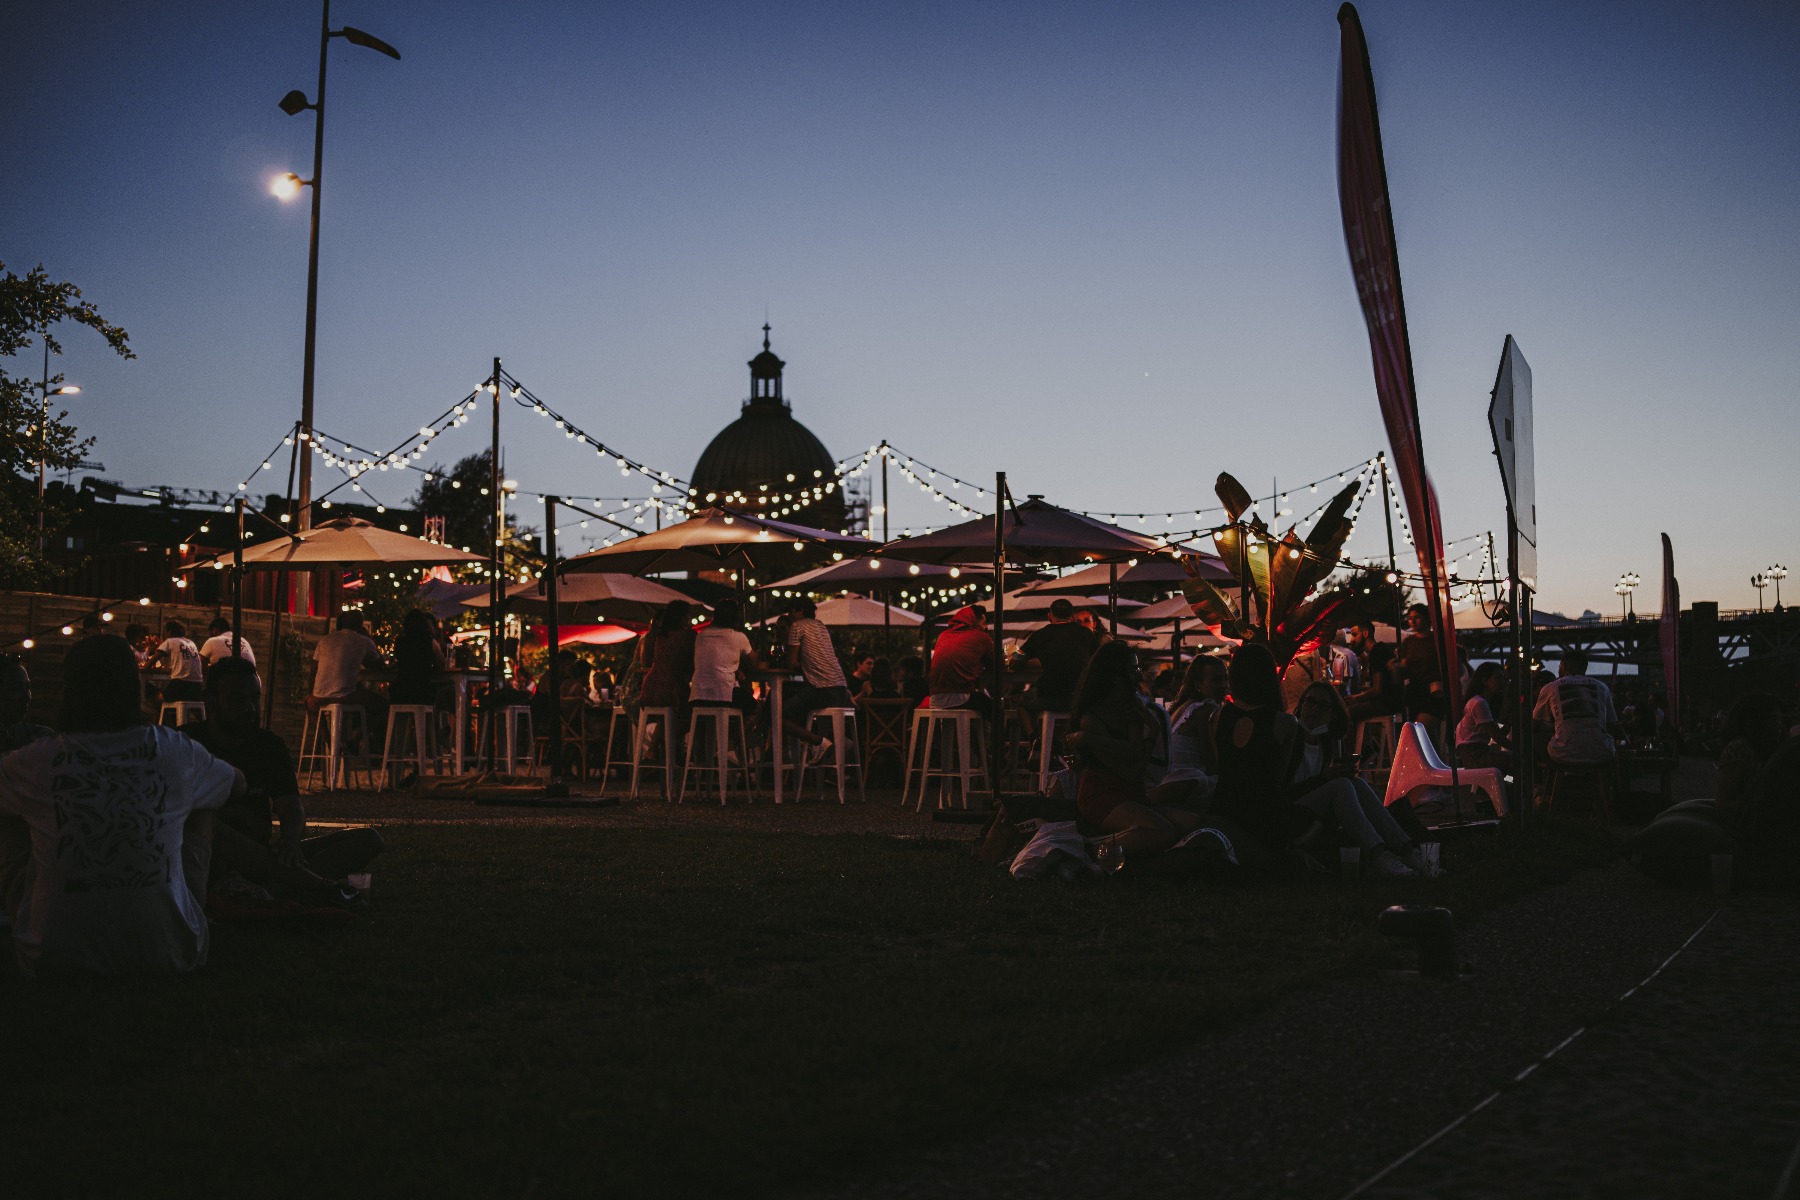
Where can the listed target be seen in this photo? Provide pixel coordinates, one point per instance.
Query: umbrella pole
(496, 584)
(999, 719)
(1112, 597)
(557, 787)
(237, 586)
(1175, 643)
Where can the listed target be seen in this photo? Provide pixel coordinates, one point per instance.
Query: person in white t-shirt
(181, 658)
(106, 829)
(721, 650)
(340, 658)
(1480, 738)
(219, 644)
(1580, 712)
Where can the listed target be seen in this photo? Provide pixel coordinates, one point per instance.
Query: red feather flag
(1375, 261)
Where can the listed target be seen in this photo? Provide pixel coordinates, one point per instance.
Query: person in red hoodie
(961, 661)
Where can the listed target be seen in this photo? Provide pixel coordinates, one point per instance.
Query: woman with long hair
(1324, 784)
(1191, 714)
(1112, 735)
(669, 646)
(418, 661)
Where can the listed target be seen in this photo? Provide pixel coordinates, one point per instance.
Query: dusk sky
(1095, 245)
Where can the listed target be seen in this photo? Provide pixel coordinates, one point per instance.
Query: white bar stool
(842, 722)
(724, 720)
(664, 719)
(515, 745)
(958, 736)
(421, 754)
(333, 725)
(184, 710)
(1048, 723)
(620, 716)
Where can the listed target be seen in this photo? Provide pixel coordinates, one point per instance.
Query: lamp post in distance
(1759, 581)
(67, 389)
(1776, 573)
(288, 187)
(1627, 584)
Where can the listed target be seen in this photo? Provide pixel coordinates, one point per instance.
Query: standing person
(1579, 713)
(669, 658)
(218, 646)
(1113, 734)
(721, 651)
(182, 660)
(961, 661)
(106, 828)
(1421, 673)
(1061, 649)
(15, 703)
(286, 862)
(1089, 620)
(810, 652)
(1322, 662)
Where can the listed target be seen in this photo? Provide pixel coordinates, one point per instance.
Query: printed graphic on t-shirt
(109, 815)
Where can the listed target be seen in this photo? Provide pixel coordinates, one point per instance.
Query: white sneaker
(818, 752)
(1386, 863)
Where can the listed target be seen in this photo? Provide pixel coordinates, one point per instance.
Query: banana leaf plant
(1276, 604)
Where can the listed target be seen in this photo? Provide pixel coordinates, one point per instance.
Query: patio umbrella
(1162, 569)
(1031, 534)
(860, 612)
(1026, 600)
(717, 539)
(1174, 609)
(591, 597)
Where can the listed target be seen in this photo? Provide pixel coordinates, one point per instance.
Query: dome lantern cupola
(765, 375)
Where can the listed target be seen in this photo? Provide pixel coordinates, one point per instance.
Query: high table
(777, 680)
(459, 678)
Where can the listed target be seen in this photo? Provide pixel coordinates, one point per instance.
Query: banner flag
(1669, 635)
(1375, 261)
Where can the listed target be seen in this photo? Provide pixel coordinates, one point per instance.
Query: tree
(30, 307)
(462, 497)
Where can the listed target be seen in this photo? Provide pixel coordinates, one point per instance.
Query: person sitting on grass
(1325, 785)
(1112, 732)
(106, 828)
(15, 702)
(286, 863)
(1191, 752)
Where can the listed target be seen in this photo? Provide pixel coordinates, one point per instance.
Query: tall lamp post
(1776, 573)
(44, 432)
(1759, 581)
(287, 187)
(1627, 584)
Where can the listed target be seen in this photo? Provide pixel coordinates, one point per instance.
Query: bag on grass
(1056, 848)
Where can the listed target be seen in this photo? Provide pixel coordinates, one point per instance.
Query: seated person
(181, 658)
(1421, 673)
(341, 657)
(1480, 741)
(1324, 661)
(1579, 713)
(1754, 730)
(1324, 783)
(106, 828)
(1113, 735)
(1191, 753)
(961, 661)
(811, 653)
(880, 685)
(219, 644)
(860, 673)
(15, 702)
(418, 663)
(1376, 690)
(722, 652)
(1061, 649)
(909, 678)
(286, 863)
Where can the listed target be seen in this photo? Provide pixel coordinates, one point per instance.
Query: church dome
(766, 462)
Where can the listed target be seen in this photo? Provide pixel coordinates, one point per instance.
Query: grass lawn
(575, 1010)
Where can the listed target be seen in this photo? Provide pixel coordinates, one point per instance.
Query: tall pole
(884, 492)
(304, 580)
(496, 580)
(237, 586)
(1387, 512)
(43, 438)
(887, 593)
(998, 720)
(553, 676)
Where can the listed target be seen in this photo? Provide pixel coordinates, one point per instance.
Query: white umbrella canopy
(592, 595)
(1165, 610)
(346, 542)
(1162, 568)
(717, 539)
(1197, 637)
(1026, 600)
(860, 612)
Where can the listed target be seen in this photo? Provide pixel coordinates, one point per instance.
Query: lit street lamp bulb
(285, 187)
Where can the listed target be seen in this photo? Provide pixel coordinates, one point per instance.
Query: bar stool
(842, 722)
(333, 724)
(620, 716)
(184, 710)
(1047, 735)
(422, 754)
(957, 742)
(515, 745)
(664, 719)
(724, 720)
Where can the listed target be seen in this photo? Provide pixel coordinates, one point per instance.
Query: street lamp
(1777, 573)
(67, 389)
(1627, 584)
(288, 187)
(1759, 581)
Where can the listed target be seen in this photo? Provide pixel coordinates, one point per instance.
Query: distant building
(767, 463)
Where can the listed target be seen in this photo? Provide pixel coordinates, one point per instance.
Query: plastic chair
(962, 738)
(333, 724)
(724, 720)
(843, 735)
(1417, 765)
(664, 718)
(184, 710)
(422, 754)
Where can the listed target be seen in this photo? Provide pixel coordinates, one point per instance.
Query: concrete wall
(40, 616)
